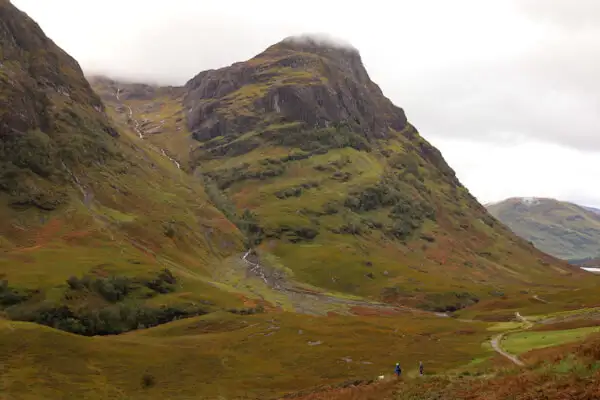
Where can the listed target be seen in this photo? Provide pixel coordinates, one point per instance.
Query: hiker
(398, 370)
(421, 368)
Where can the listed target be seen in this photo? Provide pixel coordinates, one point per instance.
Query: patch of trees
(248, 223)
(10, 296)
(296, 156)
(296, 191)
(110, 320)
(407, 213)
(234, 148)
(117, 288)
(334, 165)
(337, 136)
(372, 198)
(122, 312)
(293, 234)
(448, 301)
(225, 178)
(247, 310)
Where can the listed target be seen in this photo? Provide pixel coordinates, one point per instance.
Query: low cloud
(321, 39)
(520, 72)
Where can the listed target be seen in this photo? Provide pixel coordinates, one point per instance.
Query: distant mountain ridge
(593, 209)
(562, 229)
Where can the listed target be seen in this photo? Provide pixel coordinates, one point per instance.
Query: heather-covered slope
(117, 219)
(562, 229)
(342, 189)
(334, 185)
(89, 214)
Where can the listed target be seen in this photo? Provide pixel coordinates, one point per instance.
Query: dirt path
(527, 322)
(496, 341)
(496, 345)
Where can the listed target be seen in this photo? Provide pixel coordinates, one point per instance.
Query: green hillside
(270, 226)
(97, 229)
(562, 229)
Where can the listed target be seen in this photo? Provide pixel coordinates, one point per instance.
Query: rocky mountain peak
(335, 50)
(299, 83)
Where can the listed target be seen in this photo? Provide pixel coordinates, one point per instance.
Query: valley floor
(275, 354)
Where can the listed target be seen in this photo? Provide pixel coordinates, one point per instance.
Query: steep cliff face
(297, 80)
(50, 118)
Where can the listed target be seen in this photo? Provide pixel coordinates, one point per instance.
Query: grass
(567, 370)
(204, 355)
(518, 343)
(123, 208)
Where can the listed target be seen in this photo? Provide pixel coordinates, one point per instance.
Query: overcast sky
(509, 91)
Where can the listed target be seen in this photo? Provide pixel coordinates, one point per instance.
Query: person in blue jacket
(398, 370)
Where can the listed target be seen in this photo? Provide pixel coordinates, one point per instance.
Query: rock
(310, 83)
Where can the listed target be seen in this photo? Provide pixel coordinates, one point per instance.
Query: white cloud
(479, 74)
(494, 172)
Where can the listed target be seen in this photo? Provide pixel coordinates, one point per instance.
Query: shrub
(10, 296)
(110, 320)
(247, 311)
(163, 283)
(148, 381)
(116, 288)
(449, 301)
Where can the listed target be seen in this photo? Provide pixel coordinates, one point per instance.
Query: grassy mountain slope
(336, 186)
(117, 219)
(82, 196)
(337, 189)
(562, 229)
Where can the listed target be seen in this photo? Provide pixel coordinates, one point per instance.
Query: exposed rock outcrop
(295, 81)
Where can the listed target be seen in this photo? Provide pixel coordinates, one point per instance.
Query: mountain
(92, 222)
(338, 189)
(592, 209)
(565, 230)
(177, 242)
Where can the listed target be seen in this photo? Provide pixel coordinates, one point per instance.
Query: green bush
(117, 288)
(110, 320)
(225, 178)
(148, 381)
(338, 136)
(10, 296)
(449, 301)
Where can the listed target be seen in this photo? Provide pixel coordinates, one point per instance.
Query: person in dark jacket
(421, 368)
(398, 370)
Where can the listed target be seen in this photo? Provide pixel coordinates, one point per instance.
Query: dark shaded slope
(50, 121)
